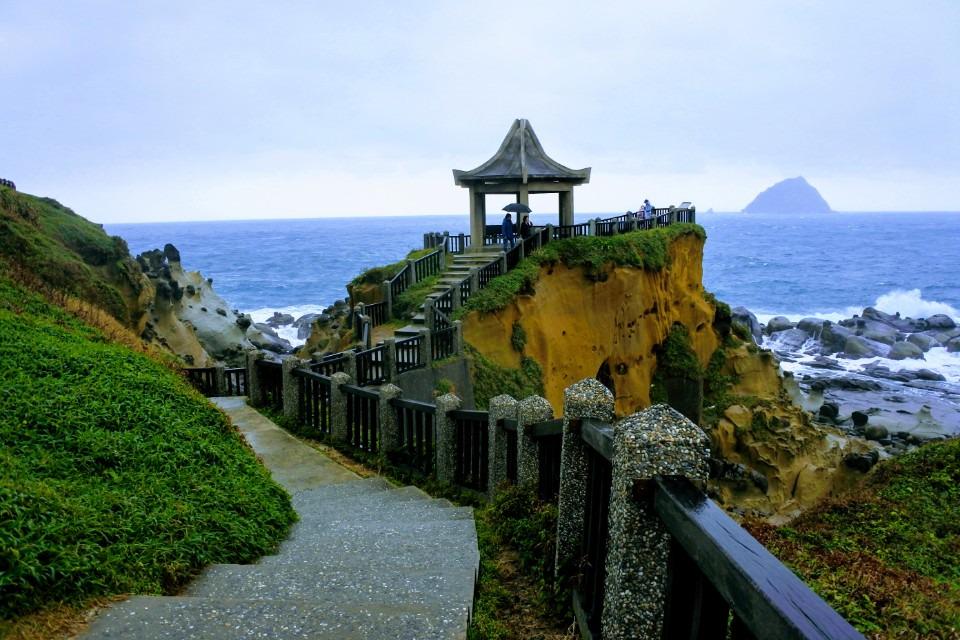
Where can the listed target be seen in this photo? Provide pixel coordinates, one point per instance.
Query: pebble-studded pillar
(502, 407)
(585, 399)
(390, 358)
(253, 380)
(446, 438)
(654, 442)
(530, 411)
(338, 406)
(291, 387)
(389, 428)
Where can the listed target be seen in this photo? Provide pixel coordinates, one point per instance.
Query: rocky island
(793, 195)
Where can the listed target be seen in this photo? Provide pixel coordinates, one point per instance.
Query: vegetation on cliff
(885, 555)
(116, 476)
(642, 249)
(68, 253)
(491, 380)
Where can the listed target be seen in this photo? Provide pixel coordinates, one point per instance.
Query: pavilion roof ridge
(521, 158)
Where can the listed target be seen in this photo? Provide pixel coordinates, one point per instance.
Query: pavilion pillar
(478, 218)
(523, 197)
(566, 207)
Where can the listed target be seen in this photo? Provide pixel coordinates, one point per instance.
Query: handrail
(764, 594)
(468, 414)
(548, 428)
(359, 391)
(312, 375)
(599, 435)
(507, 424)
(403, 403)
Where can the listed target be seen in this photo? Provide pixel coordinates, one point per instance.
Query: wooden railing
(270, 380)
(313, 410)
(408, 354)
(363, 417)
(415, 423)
(549, 438)
(400, 281)
(488, 273)
(377, 312)
(204, 379)
(561, 232)
(588, 594)
(428, 265)
(472, 448)
(458, 243)
(510, 430)
(466, 290)
(330, 364)
(236, 381)
(443, 343)
(371, 369)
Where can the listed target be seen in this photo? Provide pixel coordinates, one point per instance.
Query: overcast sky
(168, 110)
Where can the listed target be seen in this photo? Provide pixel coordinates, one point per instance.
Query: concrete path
(366, 560)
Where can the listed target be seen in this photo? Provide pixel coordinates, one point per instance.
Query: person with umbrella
(506, 227)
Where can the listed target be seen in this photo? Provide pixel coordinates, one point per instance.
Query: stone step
(323, 556)
(185, 618)
(346, 490)
(449, 589)
(309, 504)
(410, 511)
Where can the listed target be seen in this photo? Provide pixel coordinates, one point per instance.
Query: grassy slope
(115, 476)
(67, 252)
(886, 556)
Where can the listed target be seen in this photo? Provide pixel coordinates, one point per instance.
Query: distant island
(793, 195)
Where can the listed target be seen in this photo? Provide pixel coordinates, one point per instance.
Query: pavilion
(520, 167)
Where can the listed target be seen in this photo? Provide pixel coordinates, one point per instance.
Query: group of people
(644, 212)
(507, 230)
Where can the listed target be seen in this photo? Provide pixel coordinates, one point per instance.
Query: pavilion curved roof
(521, 158)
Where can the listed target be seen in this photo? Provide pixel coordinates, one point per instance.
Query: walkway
(366, 560)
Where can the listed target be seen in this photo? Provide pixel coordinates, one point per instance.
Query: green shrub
(490, 379)
(116, 476)
(518, 337)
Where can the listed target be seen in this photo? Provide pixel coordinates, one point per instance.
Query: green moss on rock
(490, 379)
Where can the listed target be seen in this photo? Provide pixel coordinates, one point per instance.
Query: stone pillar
(693, 214)
(585, 399)
(390, 358)
(220, 380)
(478, 219)
(429, 319)
(633, 224)
(456, 302)
(458, 337)
(530, 411)
(389, 427)
(338, 406)
(350, 364)
(566, 207)
(523, 196)
(474, 280)
(446, 437)
(291, 387)
(501, 407)
(253, 378)
(672, 215)
(592, 230)
(503, 263)
(426, 352)
(549, 233)
(411, 273)
(388, 298)
(656, 442)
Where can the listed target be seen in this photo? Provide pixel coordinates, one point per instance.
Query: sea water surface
(824, 265)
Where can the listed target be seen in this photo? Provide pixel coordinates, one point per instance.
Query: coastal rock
(953, 344)
(875, 432)
(745, 317)
(244, 322)
(268, 341)
(904, 350)
(833, 338)
(779, 323)
(793, 195)
(861, 347)
(813, 326)
(908, 325)
(877, 331)
(862, 461)
(789, 340)
(279, 319)
(171, 253)
(927, 374)
(859, 418)
(923, 341)
(265, 329)
(829, 410)
(306, 320)
(941, 321)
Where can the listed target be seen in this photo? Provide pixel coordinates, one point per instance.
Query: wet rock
(833, 338)
(905, 350)
(823, 362)
(279, 319)
(860, 347)
(940, 321)
(927, 374)
(953, 345)
(908, 325)
(859, 418)
(266, 329)
(222, 312)
(924, 341)
(171, 253)
(875, 432)
(813, 326)
(878, 332)
(745, 317)
(829, 410)
(789, 340)
(306, 320)
(780, 323)
(855, 384)
(861, 461)
(244, 322)
(263, 340)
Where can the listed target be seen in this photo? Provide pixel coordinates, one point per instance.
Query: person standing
(506, 230)
(647, 209)
(525, 227)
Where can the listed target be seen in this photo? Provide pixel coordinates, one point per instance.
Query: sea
(822, 265)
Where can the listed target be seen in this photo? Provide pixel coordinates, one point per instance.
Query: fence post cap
(661, 441)
(534, 409)
(340, 377)
(588, 399)
(448, 402)
(389, 390)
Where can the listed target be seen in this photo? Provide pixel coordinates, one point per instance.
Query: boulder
(941, 321)
(267, 342)
(953, 344)
(900, 324)
(279, 319)
(171, 253)
(829, 410)
(745, 317)
(244, 322)
(860, 347)
(306, 320)
(789, 340)
(833, 338)
(780, 323)
(813, 326)
(859, 418)
(904, 350)
(875, 432)
(265, 329)
(927, 374)
(877, 331)
(861, 461)
(924, 341)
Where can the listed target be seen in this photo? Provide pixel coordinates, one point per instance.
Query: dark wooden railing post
(389, 428)
(338, 407)
(445, 428)
(502, 407)
(530, 411)
(291, 386)
(656, 442)
(220, 380)
(585, 399)
(253, 378)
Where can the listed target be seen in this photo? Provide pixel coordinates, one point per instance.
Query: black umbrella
(517, 207)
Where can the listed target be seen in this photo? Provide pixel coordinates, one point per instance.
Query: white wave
(287, 332)
(937, 359)
(909, 304)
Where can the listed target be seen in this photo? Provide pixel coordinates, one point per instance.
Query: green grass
(643, 249)
(885, 557)
(376, 275)
(490, 379)
(66, 252)
(115, 476)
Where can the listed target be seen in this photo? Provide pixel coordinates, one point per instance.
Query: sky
(170, 110)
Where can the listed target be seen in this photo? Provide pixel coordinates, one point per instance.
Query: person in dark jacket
(506, 229)
(525, 227)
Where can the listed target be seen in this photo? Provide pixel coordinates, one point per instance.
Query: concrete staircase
(366, 560)
(458, 271)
